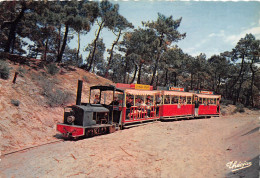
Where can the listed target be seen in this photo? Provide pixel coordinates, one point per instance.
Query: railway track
(17, 151)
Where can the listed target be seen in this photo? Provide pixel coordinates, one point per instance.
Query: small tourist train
(126, 105)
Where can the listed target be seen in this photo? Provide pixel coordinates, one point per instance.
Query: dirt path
(188, 148)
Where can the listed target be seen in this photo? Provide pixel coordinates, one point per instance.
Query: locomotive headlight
(70, 119)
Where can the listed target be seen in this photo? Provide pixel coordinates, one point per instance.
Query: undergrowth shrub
(21, 71)
(58, 97)
(52, 68)
(223, 112)
(15, 102)
(4, 70)
(54, 96)
(85, 78)
(239, 108)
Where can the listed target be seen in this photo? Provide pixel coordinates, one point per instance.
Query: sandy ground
(34, 122)
(187, 148)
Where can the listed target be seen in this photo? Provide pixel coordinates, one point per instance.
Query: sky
(211, 27)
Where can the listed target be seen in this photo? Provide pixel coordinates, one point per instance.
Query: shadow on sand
(252, 131)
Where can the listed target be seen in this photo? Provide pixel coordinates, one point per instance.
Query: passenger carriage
(139, 104)
(176, 104)
(209, 104)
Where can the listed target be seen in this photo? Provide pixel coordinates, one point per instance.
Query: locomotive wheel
(90, 133)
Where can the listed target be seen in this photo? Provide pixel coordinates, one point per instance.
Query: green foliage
(4, 70)
(52, 68)
(15, 102)
(98, 59)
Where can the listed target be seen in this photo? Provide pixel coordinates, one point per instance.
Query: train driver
(96, 100)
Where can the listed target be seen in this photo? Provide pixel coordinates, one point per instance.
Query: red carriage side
(176, 105)
(209, 104)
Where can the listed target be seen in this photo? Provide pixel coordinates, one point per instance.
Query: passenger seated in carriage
(129, 104)
(149, 104)
(142, 108)
(167, 100)
(138, 102)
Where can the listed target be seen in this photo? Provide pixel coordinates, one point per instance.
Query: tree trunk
(198, 82)
(240, 72)
(45, 50)
(59, 59)
(226, 94)
(191, 82)
(132, 81)
(95, 46)
(219, 81)
(175, 79)
(214, 81)
(252, 83)
(166, 78)
(251, 89)
(111, 54)
(157, 79)
(13, 44)
(125, 73)
(13, 24)
(78, 46)
(240, 86)
(59, 41)
(139, 73)
(157, 59)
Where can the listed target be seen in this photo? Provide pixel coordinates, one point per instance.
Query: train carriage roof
(207, 96)
(176, 93)
(141, 92)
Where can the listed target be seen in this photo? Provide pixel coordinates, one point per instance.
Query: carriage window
(138, 99)
(200, 100)
(167, 99)
(182, 100)
(205, 101)
(158, 99)
(175, 99)
(129, 100)
(120, 99)
(212, 101)
(188, 100)
(149, 100)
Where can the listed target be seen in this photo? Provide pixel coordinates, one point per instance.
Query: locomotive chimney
(79, 92)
